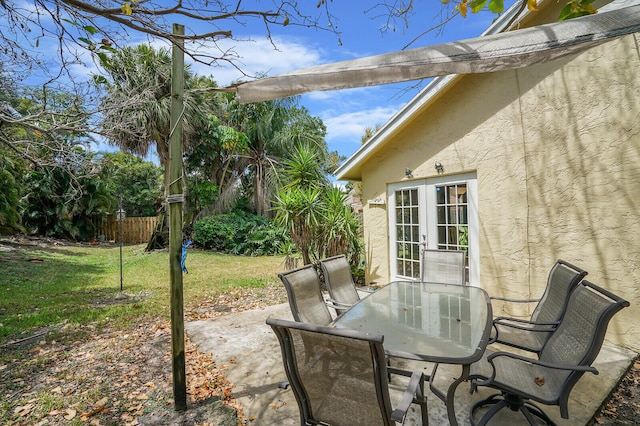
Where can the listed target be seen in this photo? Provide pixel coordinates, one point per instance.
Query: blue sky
(346, 113)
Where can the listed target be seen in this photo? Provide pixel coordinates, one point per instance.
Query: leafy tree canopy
(139, 182)
(62, 204)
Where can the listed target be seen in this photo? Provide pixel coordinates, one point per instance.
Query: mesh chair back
(443, 266)
(578, 339)
(565, 357)
(305, 299)
(338, 376)
(339, 281)
(563, 278)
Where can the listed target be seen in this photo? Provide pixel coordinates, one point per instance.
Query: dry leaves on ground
(110, 379)
(623, 408)
(115, 377)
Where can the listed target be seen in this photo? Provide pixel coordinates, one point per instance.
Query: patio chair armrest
(413, 393)
(585, 368)
(506, 331)
(335, 304)
(526, 324)
(507, 299)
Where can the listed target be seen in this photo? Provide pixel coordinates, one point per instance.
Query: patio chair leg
(514, 403)
(498, 405)
(473, 387)
(421, 400)
(536, 411)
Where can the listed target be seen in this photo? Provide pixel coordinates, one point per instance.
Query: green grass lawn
(45, 286)
(71, 341)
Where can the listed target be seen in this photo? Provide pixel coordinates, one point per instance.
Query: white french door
(439, 213)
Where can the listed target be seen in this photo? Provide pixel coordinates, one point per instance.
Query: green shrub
(239, 233)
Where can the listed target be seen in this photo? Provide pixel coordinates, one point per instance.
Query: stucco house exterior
(519, 167)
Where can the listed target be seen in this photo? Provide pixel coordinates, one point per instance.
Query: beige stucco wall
(556, 149)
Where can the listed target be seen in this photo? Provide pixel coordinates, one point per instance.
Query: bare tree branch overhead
(73, 26)
(54, 45)
(57, 46)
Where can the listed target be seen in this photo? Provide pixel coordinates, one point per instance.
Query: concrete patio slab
(244, 345)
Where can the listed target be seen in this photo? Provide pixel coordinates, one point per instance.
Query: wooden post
(175, 199)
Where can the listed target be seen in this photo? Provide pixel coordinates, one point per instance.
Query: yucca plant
(315, 212)
(300, 211)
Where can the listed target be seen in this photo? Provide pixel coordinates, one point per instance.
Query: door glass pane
(453, 218)
(439, 195)
(407, 233)
(452, 237)
(415, 267)
(442, 236)
(453, 215)
(416, 233)
(415, 255)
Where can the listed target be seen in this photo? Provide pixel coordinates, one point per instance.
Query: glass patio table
(440, 323)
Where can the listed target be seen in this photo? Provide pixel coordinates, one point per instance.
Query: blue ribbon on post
(184, 256)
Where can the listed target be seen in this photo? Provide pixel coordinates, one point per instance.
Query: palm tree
(303, 169)
(261, 122)
(300, 210)
(136, 107)
(273, 129)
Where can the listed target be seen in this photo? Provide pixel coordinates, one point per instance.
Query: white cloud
(344, 130)
(255, 57)
(86, 65)
(259, 57)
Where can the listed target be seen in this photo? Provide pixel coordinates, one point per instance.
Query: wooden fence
(134, 229)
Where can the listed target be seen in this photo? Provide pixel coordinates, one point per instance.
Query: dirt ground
(112, 378)
(64, 375)
(623, 407)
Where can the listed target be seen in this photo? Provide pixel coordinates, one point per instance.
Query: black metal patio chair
(443, 266)
(305, 298)
(339, 282)
(564, 358)
(339, 376)
(532, 334)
